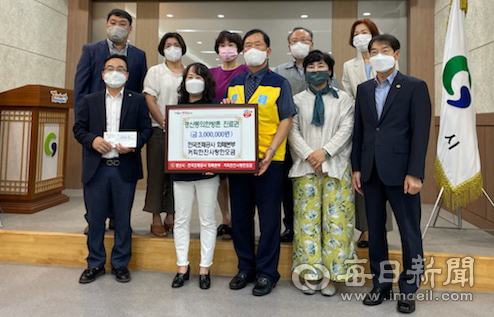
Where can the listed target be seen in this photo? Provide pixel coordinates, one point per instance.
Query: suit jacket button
(378, 129)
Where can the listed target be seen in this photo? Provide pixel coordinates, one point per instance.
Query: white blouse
(334, 136)
(162, 83)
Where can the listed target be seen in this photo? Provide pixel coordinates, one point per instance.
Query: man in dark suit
(391, 133)
(88, 76)
(110, 174)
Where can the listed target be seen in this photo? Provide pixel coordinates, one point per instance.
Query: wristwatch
(327, 155)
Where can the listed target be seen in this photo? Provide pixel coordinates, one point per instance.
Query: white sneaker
(329, 290)
(307, 290)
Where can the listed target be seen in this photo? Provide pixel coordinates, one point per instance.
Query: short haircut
(386, 38)
(370, 25)
(178, 37)
(317, 56)
(122, 57)
(230, 37)
(254, 31)
(209, 83)
(300, 28)
(119, 13)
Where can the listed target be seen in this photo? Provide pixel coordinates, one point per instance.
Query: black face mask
(317, 78)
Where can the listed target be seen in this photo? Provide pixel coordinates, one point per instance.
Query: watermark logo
(459, 271)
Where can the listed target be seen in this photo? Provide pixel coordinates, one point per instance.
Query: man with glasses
(390, 138)
(88, 75)
(110, 173)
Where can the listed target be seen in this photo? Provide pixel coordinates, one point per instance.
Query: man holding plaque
(112, 126)
(272, 93)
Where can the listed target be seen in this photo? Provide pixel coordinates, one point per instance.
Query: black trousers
(246, 192)
(287, 191)
(107, 188)
(407, 212)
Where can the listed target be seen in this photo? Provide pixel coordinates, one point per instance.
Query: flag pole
(459, 225)
(439, 198)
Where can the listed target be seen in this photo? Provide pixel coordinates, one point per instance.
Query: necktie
(251, 87)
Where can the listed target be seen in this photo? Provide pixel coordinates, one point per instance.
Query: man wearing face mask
(300, 44)
(390, 138)
(88, 76)
(272, 93)
(110, 173)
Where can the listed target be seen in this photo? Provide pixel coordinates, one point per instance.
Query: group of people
(333, 158)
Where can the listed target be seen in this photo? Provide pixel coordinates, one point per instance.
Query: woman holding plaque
(160, 89)
(228, 45)
(320, 143)
(197, 87)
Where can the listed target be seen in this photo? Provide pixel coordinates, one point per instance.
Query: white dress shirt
(162, 83)
(334, 136)
(113, 110)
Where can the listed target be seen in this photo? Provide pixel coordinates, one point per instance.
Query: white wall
(33, 40)
(480, 37)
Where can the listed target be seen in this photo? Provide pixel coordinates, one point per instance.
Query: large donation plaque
(211, 138)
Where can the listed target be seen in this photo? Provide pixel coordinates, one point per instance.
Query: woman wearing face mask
(320, 143)
(197, 87)
(356, 71)
(160, 89)
(228, 45)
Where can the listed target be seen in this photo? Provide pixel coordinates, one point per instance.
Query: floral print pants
(324, 212)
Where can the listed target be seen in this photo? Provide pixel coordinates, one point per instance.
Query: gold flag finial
(463, 5)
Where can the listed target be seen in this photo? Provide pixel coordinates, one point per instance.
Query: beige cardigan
(334, 136)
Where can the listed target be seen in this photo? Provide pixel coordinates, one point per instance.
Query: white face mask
(194, 86)
(116, 34)
(115, 79)
(382, 63)
(361, 42)
(255, 57)
(173, 53)
(300, 50)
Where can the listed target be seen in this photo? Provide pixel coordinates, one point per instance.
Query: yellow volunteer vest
(269, 120)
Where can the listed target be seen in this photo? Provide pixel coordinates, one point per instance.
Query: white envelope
(127, 139)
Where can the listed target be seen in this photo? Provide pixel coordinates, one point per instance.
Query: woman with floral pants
(324, 206)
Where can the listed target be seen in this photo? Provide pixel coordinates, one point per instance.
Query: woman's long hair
(209, 83)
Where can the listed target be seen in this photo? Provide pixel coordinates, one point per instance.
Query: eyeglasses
(119, 69)
(385, 51)
(302, 39)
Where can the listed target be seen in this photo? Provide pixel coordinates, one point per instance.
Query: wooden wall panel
(146, 28)
(78, 34)
(421, 65)
(344, 14)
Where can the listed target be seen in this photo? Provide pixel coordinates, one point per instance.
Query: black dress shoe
(180, 279)
(263, 286)
(377, 296)
(287, 236)
(205, 281)
(224, 232)
(90, 274)
(241, 280)
(406, 306)
(122, 274)
(363, 244)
